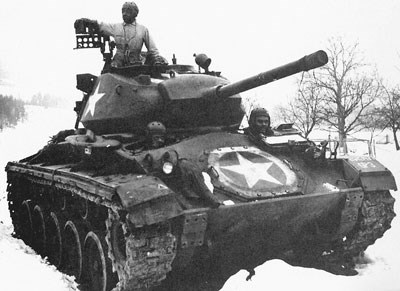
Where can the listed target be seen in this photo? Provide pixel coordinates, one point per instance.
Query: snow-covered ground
(22, 269)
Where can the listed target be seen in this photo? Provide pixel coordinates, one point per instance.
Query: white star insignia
(93, 99)
(252, 172)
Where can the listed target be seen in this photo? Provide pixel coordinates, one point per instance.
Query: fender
(368, 173)
(148, 200)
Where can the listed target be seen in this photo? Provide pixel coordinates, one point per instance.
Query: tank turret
(127, 99)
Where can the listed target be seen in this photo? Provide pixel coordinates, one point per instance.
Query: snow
(22, 269)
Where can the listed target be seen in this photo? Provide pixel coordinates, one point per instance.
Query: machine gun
(88, 35)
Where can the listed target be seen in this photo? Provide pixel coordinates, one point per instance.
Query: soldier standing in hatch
(259, 124)
(155, 135)
(129, 37)
(154, 138)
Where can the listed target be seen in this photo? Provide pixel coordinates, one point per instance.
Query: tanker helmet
(129, 12)
(259, 120)
(155, 134)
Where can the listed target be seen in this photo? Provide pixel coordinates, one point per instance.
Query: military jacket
(129, 39)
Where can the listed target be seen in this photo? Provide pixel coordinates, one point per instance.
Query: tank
(116, 214)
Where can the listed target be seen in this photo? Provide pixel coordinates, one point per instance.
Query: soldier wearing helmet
(129, 37)
(155, 135)
(259, 123)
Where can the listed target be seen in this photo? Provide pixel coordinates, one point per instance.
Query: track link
(148, 251)
(147, 256)
(71, 208)
(374, 219)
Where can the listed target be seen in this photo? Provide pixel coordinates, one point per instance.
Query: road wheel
(39, 230)
(54, 240)
(97, 269)
(72, 251)
(24, 230)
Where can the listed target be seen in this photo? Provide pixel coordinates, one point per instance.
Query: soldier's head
(129, 12)
(259, 121)
(155, 134)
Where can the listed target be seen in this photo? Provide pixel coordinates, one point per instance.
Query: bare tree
(389, 112)
(347, 91)
(373, 121)
(305, 109)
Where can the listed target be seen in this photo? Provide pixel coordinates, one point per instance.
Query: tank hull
(73, 215)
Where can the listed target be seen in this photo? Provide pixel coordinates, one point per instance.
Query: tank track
(374, 218)
(149, 251)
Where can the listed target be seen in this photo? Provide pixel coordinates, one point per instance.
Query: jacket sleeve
(108, 29)
(150, 44)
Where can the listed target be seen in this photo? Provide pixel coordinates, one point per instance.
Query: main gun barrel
(306, 63)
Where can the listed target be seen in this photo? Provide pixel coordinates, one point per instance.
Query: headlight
(167, 168)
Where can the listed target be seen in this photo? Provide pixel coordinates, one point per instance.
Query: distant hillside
(48, 100)
(11, 111)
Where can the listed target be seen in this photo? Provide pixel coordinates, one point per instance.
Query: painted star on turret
(252, 172)
(93, 99)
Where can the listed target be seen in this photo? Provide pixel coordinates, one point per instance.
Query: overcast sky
(242, 38)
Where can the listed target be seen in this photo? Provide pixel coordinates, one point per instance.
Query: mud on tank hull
(134, 232)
